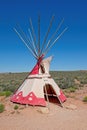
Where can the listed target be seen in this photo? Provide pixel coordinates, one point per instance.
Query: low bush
(16, 107)
(2, 94)
(8, 93)
(5, 93)
(2, 107)
(85, 99)
(71, 89)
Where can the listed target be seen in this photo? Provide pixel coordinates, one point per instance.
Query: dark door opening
(50, 94)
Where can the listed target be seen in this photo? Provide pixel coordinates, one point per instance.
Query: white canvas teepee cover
(32, 90)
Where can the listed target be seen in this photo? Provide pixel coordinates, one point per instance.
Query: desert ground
(73, 115)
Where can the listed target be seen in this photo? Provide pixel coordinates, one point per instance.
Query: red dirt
(38, 118)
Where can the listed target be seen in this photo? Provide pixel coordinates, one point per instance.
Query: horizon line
(49, 71)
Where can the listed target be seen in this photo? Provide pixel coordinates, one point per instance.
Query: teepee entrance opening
(50, 95)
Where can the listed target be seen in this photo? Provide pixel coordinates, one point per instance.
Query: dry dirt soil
(73, 115)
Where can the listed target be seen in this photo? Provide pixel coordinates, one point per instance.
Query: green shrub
(5, 93)
(2, 94)
(1, 108)
(16, 107)
(72, 89)
(85, 99)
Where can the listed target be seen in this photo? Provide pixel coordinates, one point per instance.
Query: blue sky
(70, 52)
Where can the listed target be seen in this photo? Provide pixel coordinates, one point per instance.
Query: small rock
(43, 110)
(18, 112)
(22, 107)
(71, 106)
(12, 112)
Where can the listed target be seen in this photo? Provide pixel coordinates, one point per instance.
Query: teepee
(38, 85)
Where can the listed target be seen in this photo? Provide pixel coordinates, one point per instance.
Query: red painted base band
(62, 97)
(29, 99)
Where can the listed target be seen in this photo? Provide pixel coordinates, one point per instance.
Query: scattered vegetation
(70, 89)
(16, 107)
(66, 79)
(2, 107)
(85, 99)
(5, 93)
(9, 82)
(69, 81)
